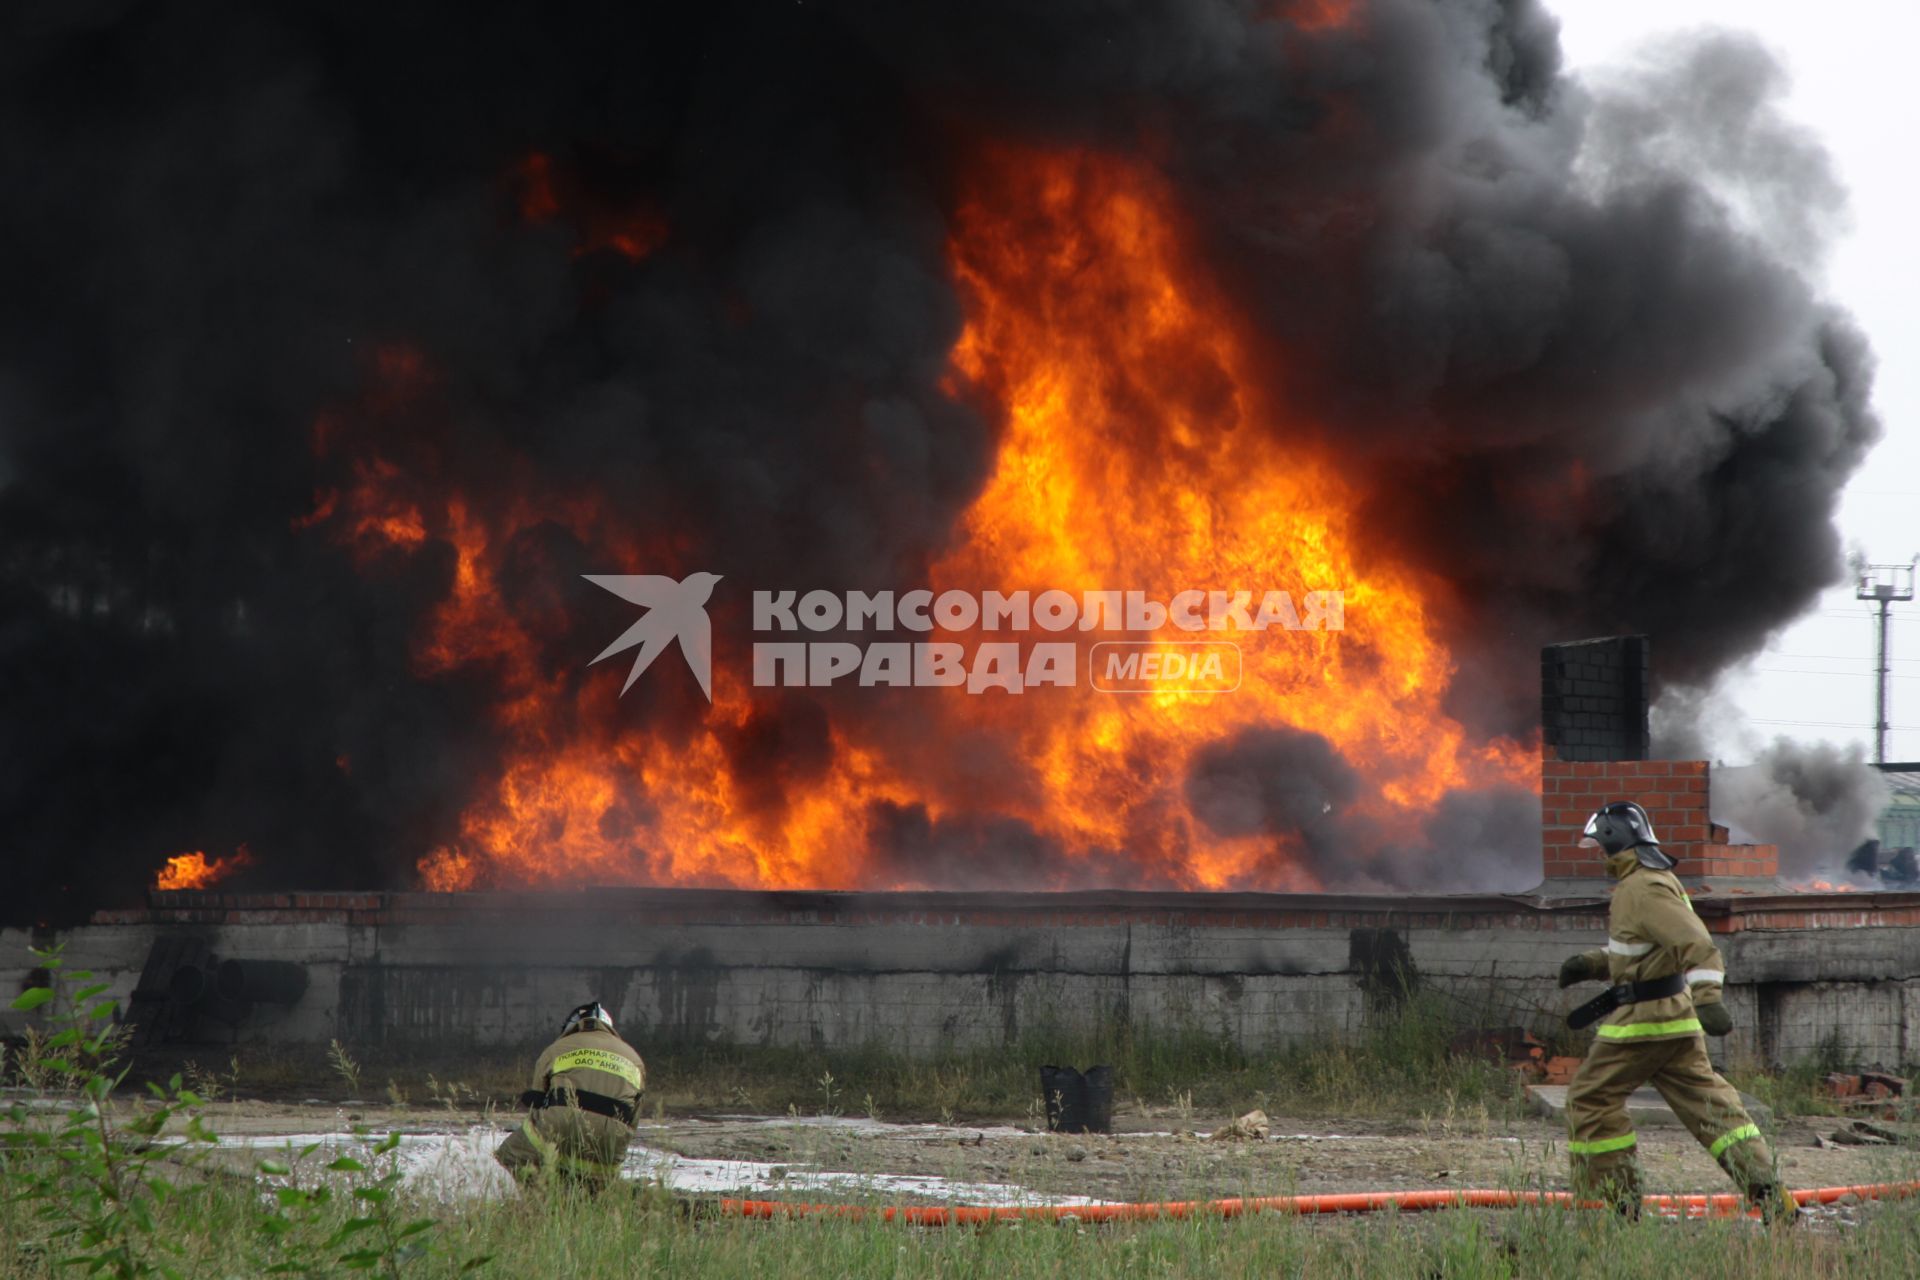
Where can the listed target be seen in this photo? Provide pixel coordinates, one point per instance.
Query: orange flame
(1143, 448)
(193, 871)
(1146, 444)
(1822, 886)
(1317, 15)
(633, 232)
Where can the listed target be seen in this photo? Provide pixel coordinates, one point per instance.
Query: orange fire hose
(1697, 1206)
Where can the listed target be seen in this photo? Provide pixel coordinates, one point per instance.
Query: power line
(1833, 724)
(1847, 675)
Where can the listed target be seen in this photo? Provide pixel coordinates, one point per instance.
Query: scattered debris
(1251, 1127)
(1519, 1050)
(1874, 1092)
(1848, 1138)
(1869, 1084)
(1862, 1133)
(1889, 1131)
(1510, 1045)
(1560, 1069)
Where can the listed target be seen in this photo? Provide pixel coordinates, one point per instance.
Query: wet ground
(447, 1152)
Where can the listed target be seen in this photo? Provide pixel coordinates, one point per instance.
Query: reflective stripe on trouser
(1601, 1139)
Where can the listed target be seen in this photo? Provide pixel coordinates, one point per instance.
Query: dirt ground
(1148, 1158)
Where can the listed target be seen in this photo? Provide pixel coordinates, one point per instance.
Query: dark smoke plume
(1294, 786)
(1817, 801)
(1531, 318)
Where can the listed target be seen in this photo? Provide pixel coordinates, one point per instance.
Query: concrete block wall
(926, 974)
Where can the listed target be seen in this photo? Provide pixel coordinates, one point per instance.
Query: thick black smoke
(1817, 801)
(1293, 785)
(1529, 316)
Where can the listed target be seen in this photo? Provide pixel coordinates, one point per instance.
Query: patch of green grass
(1398, 1068)
(1792, 1091)
(606, 1238)
(565, 1235)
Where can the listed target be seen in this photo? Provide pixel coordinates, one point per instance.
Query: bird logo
(674, 611)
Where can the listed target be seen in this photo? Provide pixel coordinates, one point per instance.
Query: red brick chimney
(1594, 744)
(1675, 795)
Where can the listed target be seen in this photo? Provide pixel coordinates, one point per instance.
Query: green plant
(126, 1191)
(93, 1179)
(344, 1066)
(451, 1094)
(29, 1062)
(390, 1238)
(211, 1084)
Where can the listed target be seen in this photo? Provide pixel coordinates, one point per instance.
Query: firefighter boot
(1613, 1179)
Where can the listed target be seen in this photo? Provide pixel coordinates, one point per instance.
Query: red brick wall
(1673, 792)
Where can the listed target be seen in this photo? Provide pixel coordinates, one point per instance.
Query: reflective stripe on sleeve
(599, 1060)
(1600, 1146)
(1634, 1030)
(1697, 976)
(1619, 948)
(1725, 1140)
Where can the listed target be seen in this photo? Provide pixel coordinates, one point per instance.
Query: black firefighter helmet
(1625, 825)
(588, 1017)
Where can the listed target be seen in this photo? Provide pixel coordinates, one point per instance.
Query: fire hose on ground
(1686, 1206)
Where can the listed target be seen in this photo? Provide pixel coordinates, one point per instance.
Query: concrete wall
(926, 973)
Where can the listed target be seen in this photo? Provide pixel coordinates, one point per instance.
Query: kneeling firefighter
(586, 1087)
(1666, 977)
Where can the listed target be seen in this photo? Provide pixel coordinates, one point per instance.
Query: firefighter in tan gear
(586, 1087)
(1666, 977)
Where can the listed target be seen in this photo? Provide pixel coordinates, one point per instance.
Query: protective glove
(1578, 968)
(1714, 1018)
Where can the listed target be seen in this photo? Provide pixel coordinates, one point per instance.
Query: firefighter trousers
(1601, 1140)
(564, 1141)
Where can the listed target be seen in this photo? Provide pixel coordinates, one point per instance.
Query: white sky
(1852, 64)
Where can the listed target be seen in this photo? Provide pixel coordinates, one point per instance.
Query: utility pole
(1885, 585)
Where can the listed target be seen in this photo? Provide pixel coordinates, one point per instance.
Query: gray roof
(1904, 779)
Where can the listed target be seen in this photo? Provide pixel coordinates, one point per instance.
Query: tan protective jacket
(1653, 933)
(597, 1061)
